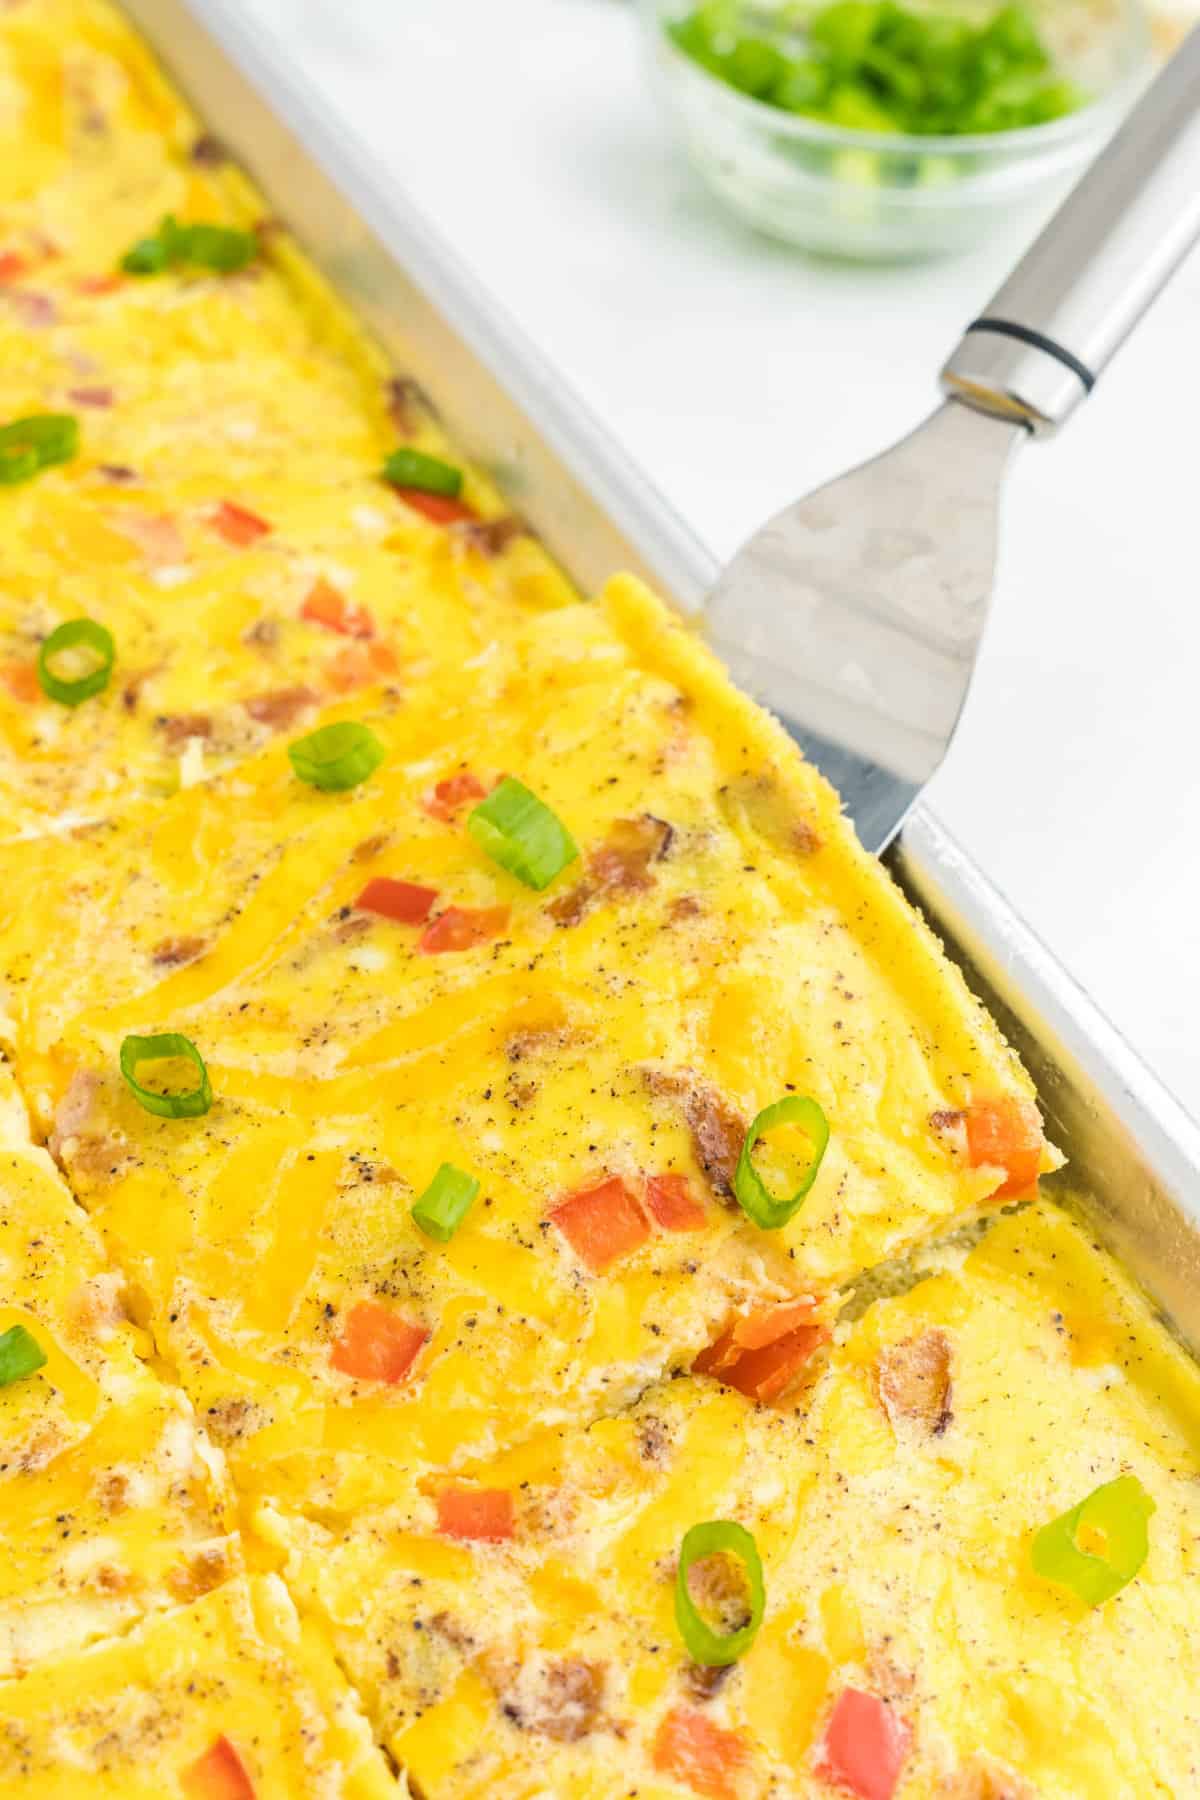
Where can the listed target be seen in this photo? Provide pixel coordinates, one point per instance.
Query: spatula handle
(1073, 299)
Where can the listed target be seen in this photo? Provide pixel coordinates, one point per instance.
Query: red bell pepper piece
(1006, 1134)
(220, 1774)
(452, 793)
(377, 1344)
(237, 525)
(326, 605)
(461, 928)
(762, 1355)
(483, 1515)
(602, 1223)
(20, 678)
(671, 1203)
(865, 1746)
(359, 664)
(439, 508)
(403, 901)
(756, 1330)
(705, 1757)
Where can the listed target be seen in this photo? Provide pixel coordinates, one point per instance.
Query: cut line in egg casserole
(460, 1069)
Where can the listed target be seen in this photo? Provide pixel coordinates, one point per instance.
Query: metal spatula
(856, 614)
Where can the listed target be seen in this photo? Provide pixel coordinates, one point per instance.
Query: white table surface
(739, 374)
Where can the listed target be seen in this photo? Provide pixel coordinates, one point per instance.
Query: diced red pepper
(220, 1774)
(359, 664)
(377, 1344)
(91, 396)
(602, 1223)
(452, 793)
(701, 1755)
(764, 1371)
(20, 678)
(1006, 1134)
(756, 1330)
(237, 525)
(12, 264)
(672, 1205)
(865, 1746)
(769, 1373)
(326, 605)
(461, 928)
(440, 508)
(484, 1515)
(402, 901)
(99, 284)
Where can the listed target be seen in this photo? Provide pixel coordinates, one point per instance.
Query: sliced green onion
(445, 1203)
(202, 246)
(516, 830)
(1099, 1545)
(877, 65)
(149, 256)
(218, 247)
(166, 1046)
(20, 1355)
(752, 1194)
(28, 446)
(337, 756)
(713, 1649)
(429, 474)
(76, 634)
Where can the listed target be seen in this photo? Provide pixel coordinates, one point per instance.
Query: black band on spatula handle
(1108, 251)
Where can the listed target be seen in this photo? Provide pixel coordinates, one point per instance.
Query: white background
(739, 374)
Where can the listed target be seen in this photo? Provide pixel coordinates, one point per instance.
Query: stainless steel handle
(1109, 249)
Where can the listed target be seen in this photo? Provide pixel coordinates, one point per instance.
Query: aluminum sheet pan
(1134, 1154)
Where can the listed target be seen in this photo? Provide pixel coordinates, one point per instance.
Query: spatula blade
(855, 614)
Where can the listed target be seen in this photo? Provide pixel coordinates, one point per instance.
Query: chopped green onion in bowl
(881, 132)
(875, 65)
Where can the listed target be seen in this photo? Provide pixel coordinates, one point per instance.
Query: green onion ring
(519, 832)
(27, 446)
(748, 1185)
(1118, 1510)
(445, 1203)
(336, 757)
(217, 247)
(428, 474)
(149, 256)
(20, 1355)
(65, 637)
(203, 246)
(712, 1649)
(161, 1048)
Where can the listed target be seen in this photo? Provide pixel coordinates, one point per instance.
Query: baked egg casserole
(521, 1263)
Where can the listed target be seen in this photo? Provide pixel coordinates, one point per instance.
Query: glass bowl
(889, 196)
